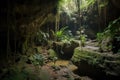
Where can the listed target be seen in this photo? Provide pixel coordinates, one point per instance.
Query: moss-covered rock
(65, 49)
(97, 64)
(52, 53)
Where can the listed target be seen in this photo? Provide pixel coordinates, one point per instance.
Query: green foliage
(103, 4)
(81, 36)
(71, 6)
(86, 3)
(37, 59)
(41, 38)
(52, 53)
(67, 6)
(61, 34)
(113, 28)
(111, 32)
(83, 40)
(99, 37)
(53, 56)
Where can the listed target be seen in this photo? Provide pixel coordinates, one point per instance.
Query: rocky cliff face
(20, 19)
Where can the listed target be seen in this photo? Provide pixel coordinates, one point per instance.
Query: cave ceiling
(26, 12)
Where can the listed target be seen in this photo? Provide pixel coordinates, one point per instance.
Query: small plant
(113, 28)
(54, 59)
(83, 40)
(81, 36)
(37, 59)
(60, 34)
(99, 37)
(41, 38)
(53, 55)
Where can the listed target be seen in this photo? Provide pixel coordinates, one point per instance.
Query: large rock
(65, 49)
(106, 44)
(97, 65)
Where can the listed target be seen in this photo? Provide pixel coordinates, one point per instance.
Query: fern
(60, 34)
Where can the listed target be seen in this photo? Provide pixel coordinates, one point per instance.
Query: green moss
(52, 53)
(92, 58)
(108, 62)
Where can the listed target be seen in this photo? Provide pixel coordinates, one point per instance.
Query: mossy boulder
(97, 65)
(52, 53)
(65, 49)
